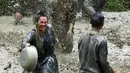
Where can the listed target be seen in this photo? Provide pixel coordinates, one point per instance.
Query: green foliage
(6, 6)
(117, 5)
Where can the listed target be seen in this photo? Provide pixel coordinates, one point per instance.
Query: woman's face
(42, 23)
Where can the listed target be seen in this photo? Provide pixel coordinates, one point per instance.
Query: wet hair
(97, 19)
(40, 14)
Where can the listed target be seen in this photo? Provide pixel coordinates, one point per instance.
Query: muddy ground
(116, 30)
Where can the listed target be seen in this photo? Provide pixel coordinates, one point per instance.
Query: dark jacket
(44, 44)
(93, 54)
(47, 62)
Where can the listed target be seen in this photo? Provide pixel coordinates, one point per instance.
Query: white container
(28, 58)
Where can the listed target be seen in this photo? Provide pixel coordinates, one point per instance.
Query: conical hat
(28, 58)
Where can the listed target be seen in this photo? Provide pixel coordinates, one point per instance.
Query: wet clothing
(93, 54)
(91, 6)
(48, 65)
(44, 45)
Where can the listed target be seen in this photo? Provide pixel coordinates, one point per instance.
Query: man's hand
(69, 34)
(20, 50)
(113, 71)
(27, 45)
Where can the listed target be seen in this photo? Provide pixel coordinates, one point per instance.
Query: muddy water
(116, 30)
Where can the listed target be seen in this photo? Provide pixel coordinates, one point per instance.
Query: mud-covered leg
(16, 22)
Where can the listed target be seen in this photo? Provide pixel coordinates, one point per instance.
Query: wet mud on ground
(116, 30)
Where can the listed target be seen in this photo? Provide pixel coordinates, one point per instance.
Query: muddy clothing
(45, 48)
(48, 65)
(64, 15)
(93, 54)
(44, 44)
(91, 6)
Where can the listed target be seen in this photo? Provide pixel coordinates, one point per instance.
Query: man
(93, 49)
(89, 7)
(19, 13)
(42, 38)
(63, 22)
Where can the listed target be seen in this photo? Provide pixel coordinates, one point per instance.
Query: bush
(6, 6)
(117, 5)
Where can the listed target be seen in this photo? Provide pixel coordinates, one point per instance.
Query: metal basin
(28, 58)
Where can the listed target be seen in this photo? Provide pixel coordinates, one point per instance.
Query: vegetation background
(6, 6)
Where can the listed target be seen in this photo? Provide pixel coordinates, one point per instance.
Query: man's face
(42, 23)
